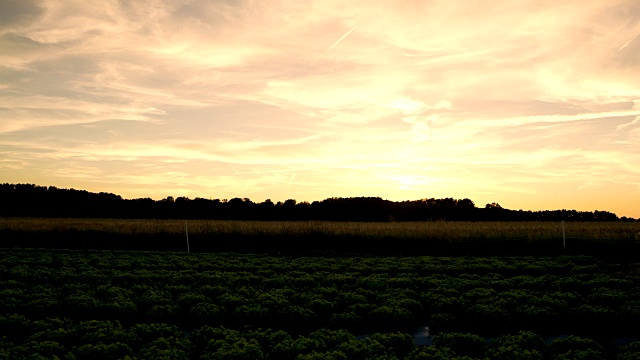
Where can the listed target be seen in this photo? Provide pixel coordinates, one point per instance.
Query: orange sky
(531, 104)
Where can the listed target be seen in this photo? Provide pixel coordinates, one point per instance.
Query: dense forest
(28, 200)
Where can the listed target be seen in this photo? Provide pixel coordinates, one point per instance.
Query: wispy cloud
(495, 102)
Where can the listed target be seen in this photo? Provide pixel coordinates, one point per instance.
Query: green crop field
(153, 305)
(318, 290)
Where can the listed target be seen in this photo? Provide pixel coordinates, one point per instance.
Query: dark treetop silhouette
(28, 200)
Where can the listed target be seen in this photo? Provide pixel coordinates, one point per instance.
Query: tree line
(29, 200)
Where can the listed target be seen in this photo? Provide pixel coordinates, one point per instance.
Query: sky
(533, 104)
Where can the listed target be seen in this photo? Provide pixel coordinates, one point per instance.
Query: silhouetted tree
(28, 200)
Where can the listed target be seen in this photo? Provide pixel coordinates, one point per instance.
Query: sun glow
(531, 106)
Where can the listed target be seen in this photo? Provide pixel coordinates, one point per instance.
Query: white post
(186, 231)
(564, 239)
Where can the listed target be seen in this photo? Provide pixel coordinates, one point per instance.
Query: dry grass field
(450, 231)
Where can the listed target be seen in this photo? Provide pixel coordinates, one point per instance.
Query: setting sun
(533, 105)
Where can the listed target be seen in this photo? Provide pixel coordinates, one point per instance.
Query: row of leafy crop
(82, 261)
(63, 338)
(490, 296)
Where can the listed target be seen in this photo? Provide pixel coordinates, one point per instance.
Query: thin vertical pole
(186, 231)
(564, 239)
